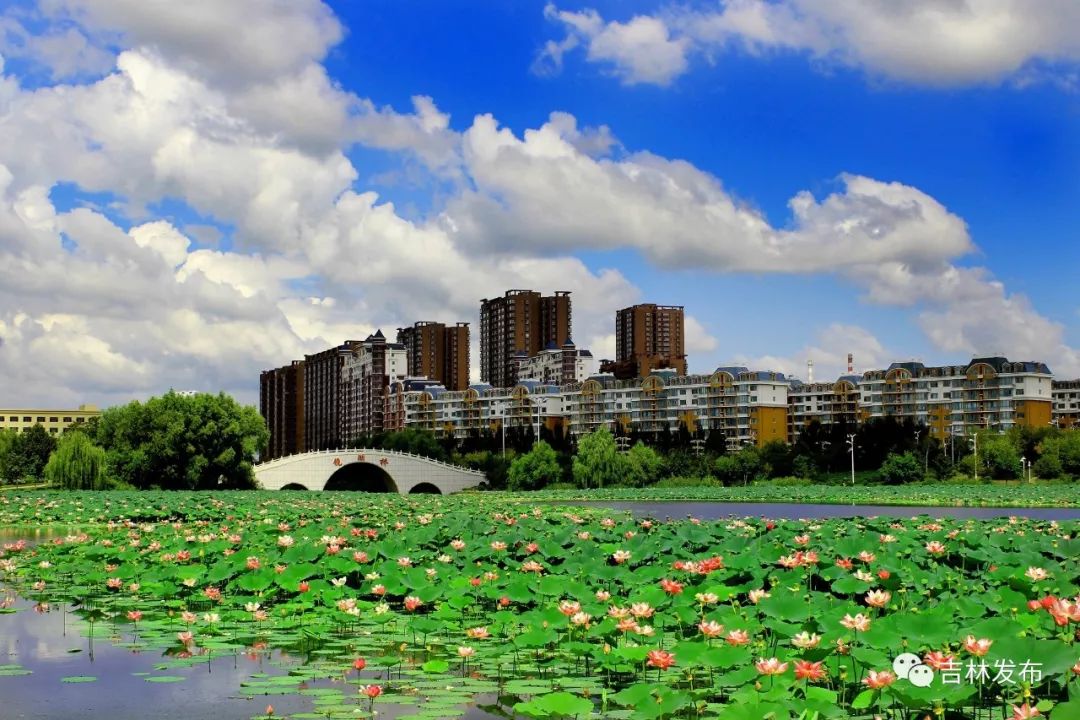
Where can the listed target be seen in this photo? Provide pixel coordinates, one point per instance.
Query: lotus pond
(337, 605)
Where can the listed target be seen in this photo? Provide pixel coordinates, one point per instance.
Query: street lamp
(536, 405)
(1023, 468)
(851, 446)
(974, 442)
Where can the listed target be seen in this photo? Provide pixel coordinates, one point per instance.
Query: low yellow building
(55, 422)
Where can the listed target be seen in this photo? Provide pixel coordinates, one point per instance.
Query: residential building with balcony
(990, 393)
(1066, 409)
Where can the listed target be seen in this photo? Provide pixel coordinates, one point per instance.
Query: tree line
(886, 450)
(172, 442)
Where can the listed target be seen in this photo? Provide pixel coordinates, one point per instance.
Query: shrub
(901, 468)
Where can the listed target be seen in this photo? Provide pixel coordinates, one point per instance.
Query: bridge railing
(393, 453)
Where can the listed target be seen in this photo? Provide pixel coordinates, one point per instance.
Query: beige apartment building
(55, 422)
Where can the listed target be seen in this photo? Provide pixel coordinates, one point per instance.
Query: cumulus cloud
(639, 51)
(541, 191)
(106, 304)
(828, 352)
(931, 42)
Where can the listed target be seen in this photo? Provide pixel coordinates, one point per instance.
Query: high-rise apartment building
(324, 427)
(281, 402)
(438, 352)
(648, 337)
(520, 321)
(365, 376)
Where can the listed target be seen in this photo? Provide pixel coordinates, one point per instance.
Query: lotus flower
(876, 680)
(772, 666)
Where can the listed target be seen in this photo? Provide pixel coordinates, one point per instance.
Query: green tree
(1059, 454)
(535, 469)
(174, 442)
(999, 458)
(7, 442)
(76, 464)
(901, 468)
(642, 465)
(778, 458)
(741, 467)
(28, 454)
(598, 462)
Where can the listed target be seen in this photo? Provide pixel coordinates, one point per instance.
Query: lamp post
(502, 428)
(536, 405)
(1023, 469)
(851, 446)
(973, 441)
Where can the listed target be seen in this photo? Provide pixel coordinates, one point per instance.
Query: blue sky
(1004, 158)
(807, 178)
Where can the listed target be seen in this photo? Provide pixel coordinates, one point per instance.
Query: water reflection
(48, 642)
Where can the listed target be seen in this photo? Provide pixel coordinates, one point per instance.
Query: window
(54, 419)
(67, 420)
(14, 418)
(41, 419)
(27, 419)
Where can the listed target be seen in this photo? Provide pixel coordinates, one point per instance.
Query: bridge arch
(370, 469)
(425, 488)
(362, 477)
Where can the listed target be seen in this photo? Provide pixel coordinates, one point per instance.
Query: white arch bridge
(363, 469)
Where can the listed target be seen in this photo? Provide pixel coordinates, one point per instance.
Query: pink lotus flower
(186, 637)
(935, 548)
(806, 641)
(876, 680)
(371, 691)
(671, 587)
(772, 666)
(465, 651)
(660, 659)
(878, 598)
(859, 623)
(810, 671)
(412, 602)
(737, 637)
(134, 615)
(939, 660)
(569, 607)
(477, 633)
(710, 628)
(253, 563)
(978, 647)
(359, 664)
(1024, 712)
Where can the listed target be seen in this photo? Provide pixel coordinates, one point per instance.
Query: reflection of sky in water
(210, 691)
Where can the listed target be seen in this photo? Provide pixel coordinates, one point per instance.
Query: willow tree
(76, 464)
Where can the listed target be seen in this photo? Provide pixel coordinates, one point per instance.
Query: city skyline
(180, 209)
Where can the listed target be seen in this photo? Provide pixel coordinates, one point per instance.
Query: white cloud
(230, 43)
(697, 338)
(932, 42)
(828, 353)
(638, 51)
(312, 259)
(540, 191)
